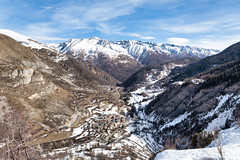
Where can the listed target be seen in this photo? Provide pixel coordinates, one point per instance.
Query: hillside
(140, 77)
(59, 105)
(207, 102)
(63, 107)
(230, 54)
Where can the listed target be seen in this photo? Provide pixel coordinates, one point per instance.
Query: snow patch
(179, 83)
(176, 120)
(197, 81)
(230, 140)
(78, 131)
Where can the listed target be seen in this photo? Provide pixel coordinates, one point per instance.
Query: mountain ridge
(119, 58)
(133, 48)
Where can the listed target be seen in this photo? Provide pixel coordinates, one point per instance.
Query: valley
(92, 98)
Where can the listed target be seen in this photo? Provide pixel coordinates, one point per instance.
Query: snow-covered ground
(147, 91)
(222, 117)
(24, 40)
(229, 139)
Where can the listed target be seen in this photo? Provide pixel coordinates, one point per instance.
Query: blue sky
(203, 23)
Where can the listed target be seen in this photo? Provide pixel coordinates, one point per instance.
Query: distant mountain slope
(140, 77)
(208, 100)
(109, 57)
(232, 53)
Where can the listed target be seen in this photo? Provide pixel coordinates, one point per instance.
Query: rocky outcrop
(23, 76)
(202, 139)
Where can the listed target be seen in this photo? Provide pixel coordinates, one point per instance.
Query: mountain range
(65, 99)
(123, 58)
(119, 58)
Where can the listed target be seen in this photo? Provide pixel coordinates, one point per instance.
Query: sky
(211, 24)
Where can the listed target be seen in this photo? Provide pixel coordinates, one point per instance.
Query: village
(107, 128)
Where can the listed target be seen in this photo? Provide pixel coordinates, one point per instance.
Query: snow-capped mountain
(88, 48)
(123, 58)
(138, 50)
(91, 47)
(119, 58)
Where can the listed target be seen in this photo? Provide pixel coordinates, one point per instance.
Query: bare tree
(218, 142)
(16, 138)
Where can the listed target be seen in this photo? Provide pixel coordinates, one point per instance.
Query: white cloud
(89, 13)
(42, 32)
(201, 27)
(41, 38)
(217, 42)
(140, 36)
(179, 41)
(48, 7)
(109, 29)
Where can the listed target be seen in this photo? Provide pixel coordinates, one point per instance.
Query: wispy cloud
(89, 13)
(109, 29)
(41, 38)
(84, 15)
(42, 32)
(140, 36)
(217, 42)
(179, 41)
(201, 23)
(190, 28)
(187, 24)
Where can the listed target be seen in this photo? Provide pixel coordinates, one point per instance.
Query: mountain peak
(97, 38)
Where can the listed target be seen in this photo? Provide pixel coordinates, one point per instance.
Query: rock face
(24, 76)
(202, 139)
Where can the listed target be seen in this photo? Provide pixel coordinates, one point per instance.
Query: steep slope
(15, 52)
(139, 78)
(70, 106)
(208, 101)
(230, 54)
